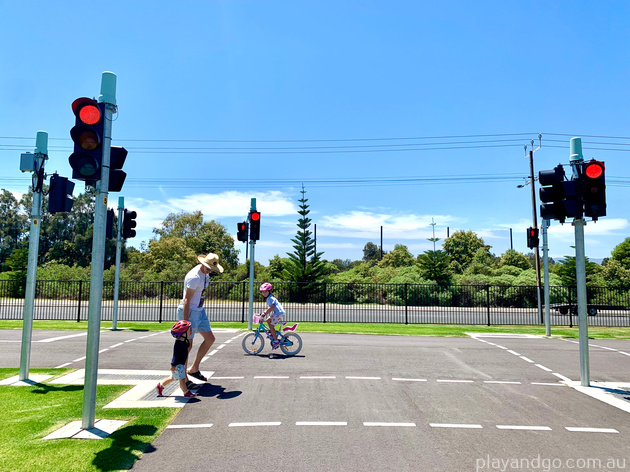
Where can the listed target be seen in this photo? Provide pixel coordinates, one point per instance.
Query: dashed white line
(115, 345)
(455, 425)
(271, 376)
(221, 346)
(547, 369)
(527, 359)
(591, 430)
(318, 377)
(103, 350)
(130, 340)
(409, 380)
(363, 378)
(624, 353)
(404, 425)
(455, 381)
(187, 426)
(321, 423)
(524, 428)
(560, 376)
(260, 423)
(513, 352)
(63, 365)
(500, 382)
(213, 352)
(50, 340)
(227, 378)
(79, 359)
(549, 383)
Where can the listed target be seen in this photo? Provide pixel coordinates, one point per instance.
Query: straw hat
(211, 261)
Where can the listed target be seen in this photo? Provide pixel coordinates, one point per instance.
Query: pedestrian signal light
(109, 228)
(254, 225)
(241, 234)
(532, 238)
(594, 189)
(60, 194)
(561, 199)
(87, 134)
(116, 175)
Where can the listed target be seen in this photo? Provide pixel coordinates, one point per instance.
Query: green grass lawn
(353, 328)
(31, 413)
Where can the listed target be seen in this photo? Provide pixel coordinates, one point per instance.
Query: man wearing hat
(191, 307)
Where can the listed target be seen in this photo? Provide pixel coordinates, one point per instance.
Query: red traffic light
(255, 216)
(594, 169)
(532, 232)
(87, 110)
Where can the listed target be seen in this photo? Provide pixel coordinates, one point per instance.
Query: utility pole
(36, 164)
(121, 210)
(576, 159)
(108, 97)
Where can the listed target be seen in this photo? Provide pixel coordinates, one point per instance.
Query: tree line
(464, 258)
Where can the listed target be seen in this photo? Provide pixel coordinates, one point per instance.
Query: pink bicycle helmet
(180, 328)
(266, 287)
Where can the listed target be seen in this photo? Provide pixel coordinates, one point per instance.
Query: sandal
(190, 385)
(198, 375)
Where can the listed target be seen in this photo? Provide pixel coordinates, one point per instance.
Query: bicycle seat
(292, 328)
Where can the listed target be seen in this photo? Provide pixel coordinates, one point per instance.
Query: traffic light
(60, 194)
(109, 228)
(532, 238)
(241, 235)
(561, 199)
(116, 175)
(129, 224)
(87, 134)
(254, 225)
(594, 189)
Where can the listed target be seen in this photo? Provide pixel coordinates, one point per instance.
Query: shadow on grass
(45, 388)
(125, 448)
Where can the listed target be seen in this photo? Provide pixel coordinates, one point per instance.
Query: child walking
(180, 332)
(275, 312)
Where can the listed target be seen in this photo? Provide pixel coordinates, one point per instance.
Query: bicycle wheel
(291, 344)
(252, 345)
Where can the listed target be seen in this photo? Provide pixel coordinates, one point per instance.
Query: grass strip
(352, 328)
(31, 413)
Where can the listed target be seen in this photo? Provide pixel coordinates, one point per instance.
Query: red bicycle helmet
(266, 286)
(180, 328)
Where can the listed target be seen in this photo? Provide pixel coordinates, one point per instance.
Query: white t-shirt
(198, 281)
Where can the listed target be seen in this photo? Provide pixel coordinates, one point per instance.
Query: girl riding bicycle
(275, 312)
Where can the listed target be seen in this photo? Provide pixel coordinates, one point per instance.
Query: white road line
(550, 384)
(500, 382)
(501, 347)
(50, 340)
(261, 423)
(229, 341)
(79, 359)
(115, 345)
(527, 359)
(221, 346)
(607, 348)
(591, 430)
(367, 423)
(213, 352)
(560, 376)
(513, 352)
(543, 367)
(524, 428)
(624, 353)
(452, 425)
(363, 378)
(130, 340)
(321, 423)
(186, 426)
(227, 378)
(271, 376)
(103, 350)
(318, 377)
(409, 380)
(455, 381)
(63, 365)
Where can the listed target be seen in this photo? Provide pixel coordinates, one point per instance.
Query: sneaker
(275, 345)
(160, 389)
(189, 394)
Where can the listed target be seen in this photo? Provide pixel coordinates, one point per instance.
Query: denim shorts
(198, 320)
(179, 372)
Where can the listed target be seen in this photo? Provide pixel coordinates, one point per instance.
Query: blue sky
(392, 114)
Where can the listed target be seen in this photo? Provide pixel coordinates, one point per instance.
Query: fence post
(406, 304)
(488, 302)
(161, 299)
(325, 302)
(79, 310)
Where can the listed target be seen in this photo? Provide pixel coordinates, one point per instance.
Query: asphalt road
(356, 403)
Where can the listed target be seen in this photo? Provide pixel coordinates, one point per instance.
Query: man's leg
(204, 347)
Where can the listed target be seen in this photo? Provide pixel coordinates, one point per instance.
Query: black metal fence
(324, 302)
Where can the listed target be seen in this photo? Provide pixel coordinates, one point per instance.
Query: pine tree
(304, 265)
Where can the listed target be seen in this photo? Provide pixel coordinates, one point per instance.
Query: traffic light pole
(121, 208)
(545, 225)
(536, 251)
(41, 154)
(576, 161)
(250, 315)
(108, 96)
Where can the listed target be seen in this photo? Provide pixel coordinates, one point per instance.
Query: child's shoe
(189, 394)
(275, 344)
(160, 389)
